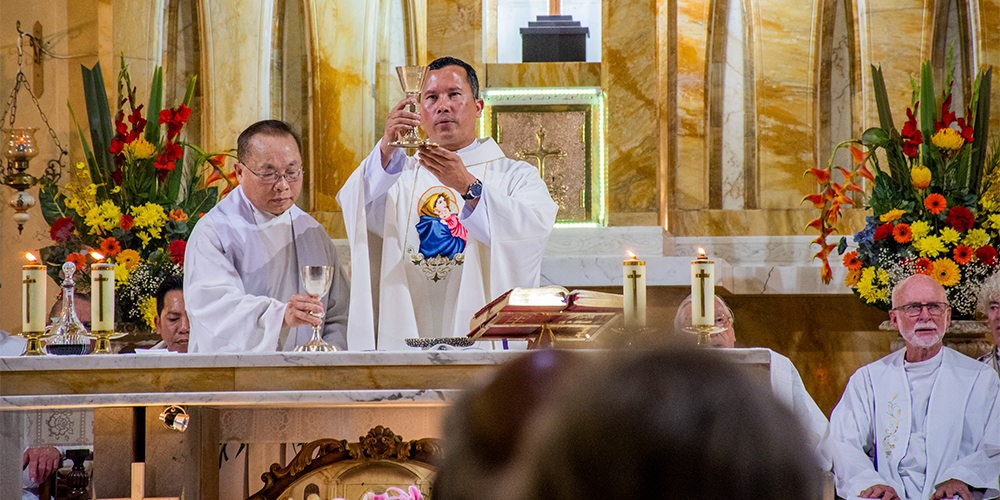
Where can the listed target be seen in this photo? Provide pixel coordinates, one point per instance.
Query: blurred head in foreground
(483, 429)
(662, 424)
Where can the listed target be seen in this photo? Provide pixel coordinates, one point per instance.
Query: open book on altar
(522, 313)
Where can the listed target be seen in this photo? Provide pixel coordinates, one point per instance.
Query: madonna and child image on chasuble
(441, 236)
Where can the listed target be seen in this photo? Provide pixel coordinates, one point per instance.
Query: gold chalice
(411, 78)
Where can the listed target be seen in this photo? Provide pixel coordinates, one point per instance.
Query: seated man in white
(785, 379)
(923, 422)
(241, 276)
(171, 319)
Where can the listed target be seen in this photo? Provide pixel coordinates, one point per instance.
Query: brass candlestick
(34, 347)
(103, 341)
(704, 333)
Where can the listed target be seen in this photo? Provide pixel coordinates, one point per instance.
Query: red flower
(882, 232)
(166, 116)
(963, 254)
(62, 230)
(946, 117)
(77, 259)
(110, 247)
(960, 218)
(176, 250)
(966, 130)
(851, 261)
(127, 222)
(902, 233)
(923, 266)
(171, 153)
(911, 135)
(116, 147)
(935, 203)
(987, 255)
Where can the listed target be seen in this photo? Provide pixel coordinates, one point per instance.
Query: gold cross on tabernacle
(541, 153)
(702, 274)
(100, 279)
(27, 296)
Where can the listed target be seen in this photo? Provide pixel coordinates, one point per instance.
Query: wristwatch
(475, 191)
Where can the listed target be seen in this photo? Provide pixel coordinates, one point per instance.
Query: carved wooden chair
(334, 468)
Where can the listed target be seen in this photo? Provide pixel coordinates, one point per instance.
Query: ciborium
(316, 281)
(411, 78)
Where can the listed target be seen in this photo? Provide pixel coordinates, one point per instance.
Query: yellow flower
(988, 205)
(128, 258)
(92, 189)
(139, 149)
(116, 189)
(976, 238)
(891, 215)
(148, 308)
(121, 272)
(149, 216)
(993, 221)
(80, 165)
(882, 276)
(930, 246)
(921, 176)
(920, 229)
(103, 218)
(853, 277)
(870, 292)
(950, 236)
(945, 271)
(948, 138)
(144, 236)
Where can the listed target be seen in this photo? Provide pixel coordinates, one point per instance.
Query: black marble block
(554, 39)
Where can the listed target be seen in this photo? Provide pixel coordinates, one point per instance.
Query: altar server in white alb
(436, 236)
(241, 279)
(923, 422)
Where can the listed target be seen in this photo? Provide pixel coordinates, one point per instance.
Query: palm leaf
(981, 132)
(152, 131)
(898, 169)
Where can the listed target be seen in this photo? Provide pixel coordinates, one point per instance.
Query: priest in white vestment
(436, 236)
(922, 422)
(241, 282)
(786, 383)
(989, 306)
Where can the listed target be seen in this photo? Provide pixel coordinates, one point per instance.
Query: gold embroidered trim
(890, 432)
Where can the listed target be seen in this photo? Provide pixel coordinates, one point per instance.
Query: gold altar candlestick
(102, 305)
(634, 290)
(33, 302)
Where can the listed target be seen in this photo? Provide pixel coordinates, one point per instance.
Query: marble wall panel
(237, 66)
(734, 135)
(684, 41)
(785, 103)
(756, 222)
(899, 51)
(141, 44)
(455, 28)
(629, 75)
(343, 66)
(536, 75)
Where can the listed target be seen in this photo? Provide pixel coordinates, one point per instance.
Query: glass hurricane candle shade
(19, 144)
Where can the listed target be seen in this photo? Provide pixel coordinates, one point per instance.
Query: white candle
(33, 294)
(702, 290)
(634, 290)
(102, 301)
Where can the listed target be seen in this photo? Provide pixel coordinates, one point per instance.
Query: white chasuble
(871, 428)
(423, 260)
(241, 269)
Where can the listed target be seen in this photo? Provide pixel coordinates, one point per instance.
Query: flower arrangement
(132, 200)
(935, 210)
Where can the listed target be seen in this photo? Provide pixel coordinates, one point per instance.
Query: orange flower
(935, 203)
(852, 262)
(923, 266)
(902, 233)
(178, 215)
(77, 259)
(963, 254)
(110, 247)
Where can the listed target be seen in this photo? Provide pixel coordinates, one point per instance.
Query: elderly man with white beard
(923, 422)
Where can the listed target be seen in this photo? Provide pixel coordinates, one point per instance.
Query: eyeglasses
(913, 310)
(290, 176)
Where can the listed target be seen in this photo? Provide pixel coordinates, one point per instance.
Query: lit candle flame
(96, 256)
(30, 256)
(701, 253)
(630, 254)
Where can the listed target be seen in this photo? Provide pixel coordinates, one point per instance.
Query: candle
(702, 290)
(102, 301)
(634, 290)
(33, 295)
